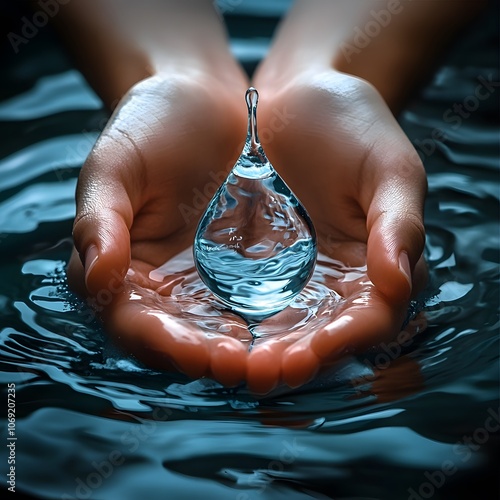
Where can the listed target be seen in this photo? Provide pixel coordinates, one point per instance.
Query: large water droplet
(255, 246)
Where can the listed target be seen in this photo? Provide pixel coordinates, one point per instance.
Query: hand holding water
(364, 189)
(345, 157)
(143, 168)
(142, 317)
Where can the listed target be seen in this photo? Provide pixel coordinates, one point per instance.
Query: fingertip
(404, 267)
(263, 369)
(394, 205)
(185, 345)
(91, 256)
(392, 277)
(103, 244)
(388, 262)
(363, 327)
(331, 340)
(107, 274)
(420, 276)
(228, 361)
(194, 364)
(76, 274)
(300, 364)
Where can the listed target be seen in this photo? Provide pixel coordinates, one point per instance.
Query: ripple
(45, 157)
(47, 202)
(52, 94)
(361, 429)
(186, 296)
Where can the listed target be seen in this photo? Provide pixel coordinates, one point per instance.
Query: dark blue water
(93, 423)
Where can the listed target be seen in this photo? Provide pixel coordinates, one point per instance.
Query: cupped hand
(150, 176)
(140, 194)
(337, 145)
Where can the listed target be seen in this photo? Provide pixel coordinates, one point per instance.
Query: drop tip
(252, 97)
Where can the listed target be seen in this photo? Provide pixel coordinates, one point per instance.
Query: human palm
(349, 162)
(136, 204)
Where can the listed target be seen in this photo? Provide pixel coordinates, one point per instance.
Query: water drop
(255, 246)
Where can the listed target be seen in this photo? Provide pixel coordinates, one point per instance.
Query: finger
(264, 367)
(299, 363)
(158, 339)
(76, 274)
(228, 360)
(420, 276)
(358, 328)
(105, 192)
(396, 233)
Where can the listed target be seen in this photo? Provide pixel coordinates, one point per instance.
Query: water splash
(255, 246)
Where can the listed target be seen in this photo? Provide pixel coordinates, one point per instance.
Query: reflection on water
(91, 422)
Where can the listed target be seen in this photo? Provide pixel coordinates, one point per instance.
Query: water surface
(94, 423)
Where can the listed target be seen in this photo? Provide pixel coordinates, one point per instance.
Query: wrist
(115, 73)
(116, 44)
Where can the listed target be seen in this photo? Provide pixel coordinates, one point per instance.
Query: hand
(142, 170)
(345, 156)
(139, 197)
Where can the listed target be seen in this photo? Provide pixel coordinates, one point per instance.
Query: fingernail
(91, 256)
(404, 267)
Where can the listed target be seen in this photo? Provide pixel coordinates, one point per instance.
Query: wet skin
(345, 157)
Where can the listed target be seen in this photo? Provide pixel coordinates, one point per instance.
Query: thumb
(396, 234)
(101, 231)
